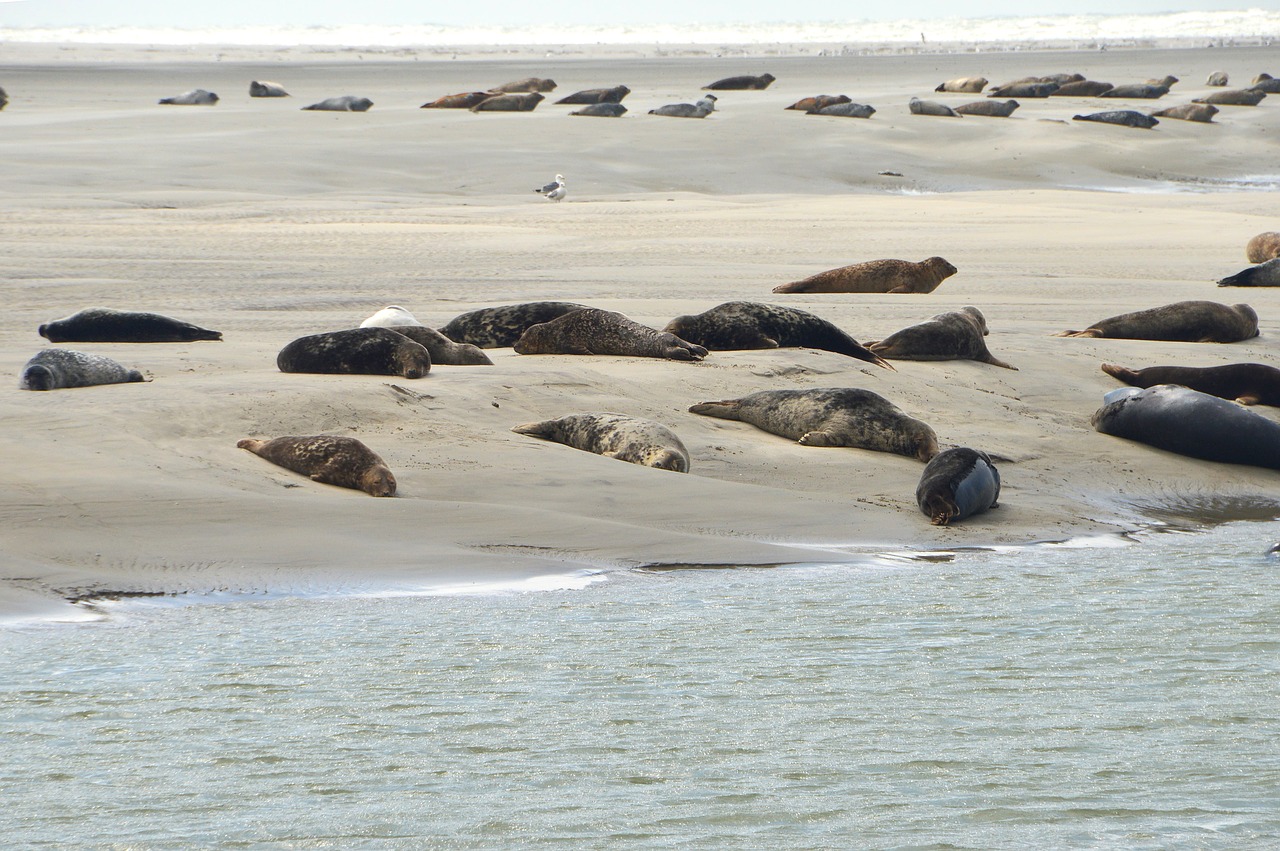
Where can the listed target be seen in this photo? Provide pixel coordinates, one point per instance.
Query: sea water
(1123, 696)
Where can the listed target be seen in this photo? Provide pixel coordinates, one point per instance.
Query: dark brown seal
(958, 483)
(745, 82)
(104, 325)
(341, 461)
(629, 439)
(499, 327)
(528, 84)
(992, 108)
(356, 351)
(588, 96)
(817, 102)
(1202, 112)
(54, 369)
(1233, 97)
(876, 276)
(1182, 321)
(509, 103)
(751, 325)
(957, 335)
(602, 332)
(963, 85)
(1081, 89)
(462, 100)
(833, 416)
(1263, 247)
(846, 110)
(1263, 275)
(1246, 383)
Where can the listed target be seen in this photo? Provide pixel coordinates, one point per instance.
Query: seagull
(555, 190)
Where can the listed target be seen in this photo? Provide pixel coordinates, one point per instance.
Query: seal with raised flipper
(1234, 97)
(816, 102)
(1263, 275)
(963, 85)
(846, 110)
(602, 110)
(499, 327)
(54, 369)
(930, 107)
(1123, 117)
(528, 84)
(704, 107)
(342, 103)
(1246, 383)
(745, 82)
(356, 351)
(592, 331)
(1182, 321)
(830, 416)
(266, 89)
(1263, 247)
(956, 335)
(992, 108)
(751, 325)
(105, 325)
(589, 96)
(526, 102)
(332, 460)
(958, 483)
(630, 439)
(195, 97)
(462, 100)
(876, 276)
(1202, 112)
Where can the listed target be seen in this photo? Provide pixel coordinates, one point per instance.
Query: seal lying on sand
(1246, 383)
(392, 314)
(993, 108)
(499, 327)
(963, 85)
(509, 103)
(195, 97)
(742, 83)
(261, 89)
(1188, 422)
(441, 348)
(462, 100)
(1024, 90)
(845, 110)
(343, 103)
(835, 416)
(957, 335)
(1202, 112)
(1182, 321)
(629, 439)
(930, 107)
(1263, 247)
(53, 369)
(588, 96)
(956, 484)
(602, 110)
(750, 325)
(1124, 117)
(528, 84)
(1234, 97)
(1263, 275)
(704, 107)
(816, 102)
(104, 325)
(341, 461)
(1217, 79)
(1081, 89)
(1136, 91)
(1266, 83)
(357, 351)
(602, 332)
(876, 276)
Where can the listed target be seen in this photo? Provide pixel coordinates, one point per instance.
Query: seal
(104, 325)
(930, 107)
(528, 84)
(957, 335)
(964, 85)
(958, 483)
(993, 108)
(1125, 117)
(392, 314)
(629, 439)
(704, 107)
(499, 327)
(332, 460)
(54, 369)
(1033, 89)
(817, 102)
(1167, 81)
(845, 110)
(1136, 91)
(1217, 79)
(1233, 97)
(263, 89)
(591, 331)
(1263, 247)
(1188, 422)
(1263, 275)
(195, 97)
(602, 110)
(1202, 112)
(1182, 321)
(751, 325)
(509, 103)
(1081, 89)
(1246, 383)
(876, 276)
(1266, 83)
(462, 100)
(590, 96)
(441, 348)
(344, 103)
(831, 416)
(358, 351)
(745, 82)
(4, 98)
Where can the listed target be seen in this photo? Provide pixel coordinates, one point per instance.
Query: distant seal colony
(105, 325)
(958, 483)
(55, 369)
(876, 276)
(341, 461)
(630, 439)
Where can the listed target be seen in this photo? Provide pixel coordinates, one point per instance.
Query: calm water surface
(1051, 697)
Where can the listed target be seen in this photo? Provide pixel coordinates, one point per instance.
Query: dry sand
(267, 222)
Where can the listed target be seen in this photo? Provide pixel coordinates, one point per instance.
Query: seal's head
(378, 481)
(940, 267)
(39, 377)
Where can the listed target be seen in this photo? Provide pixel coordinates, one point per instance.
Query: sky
(237, 13)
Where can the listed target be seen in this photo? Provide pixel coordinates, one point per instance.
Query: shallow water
(1101, 697)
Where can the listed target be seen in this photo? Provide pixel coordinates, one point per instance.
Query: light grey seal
(1123, 117)
(876, 276)
(817, 102)
(963, 85)
(629, 439)
(341, 461)
(392, 314)
(510, 103)
(742, 83)
(1233, 97)
(53, 369)
(591, 331)
(602, 110)
(956, 335)
(344, 103)
(704, 107)
(1182, 321)
(1202, 112)
(1246, 383)
(1136, 91)
(992, 108)
(846, 110)
(499, 327)
(528, 84)
(357, 351)
(104, 325)
(832, 416)
(1263, 247)
(264, 89)
(1217, 79)
(195, 97)
(1188, 422)
(750, 325)
(1081, 89)
(930, 107)
(1263, 275)
(590, 96)
(958, 483)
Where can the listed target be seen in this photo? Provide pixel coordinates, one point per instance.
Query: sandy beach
(267, 223)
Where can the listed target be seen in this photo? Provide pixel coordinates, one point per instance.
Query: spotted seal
(499, 327)
(1202, 112)
(958, 483)
(1263, 275)
(745, 82)
(630, 439)
(1263, 247)
(342, 103)
(589, 96)
(591, 331)
(510, 103)
(956, 335)
(1182, 321)
(930, 107)
(602, 110)
(462, 100)
(991, 108)
(356, 351)
(332, 460)
(195, 97)
(266, 89)
(876, 276)
(1233, 97)
(441, 348)
(527, 85)
(963, 85)
(54, 369)
(704, 107)
(831, 416)
(1124, 117)
(105, 325)
(846, 110)
(1246, 383)
(751, 325)
(816, 102)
